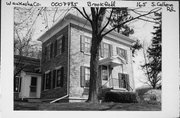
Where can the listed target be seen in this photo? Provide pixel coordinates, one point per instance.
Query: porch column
(110, 76)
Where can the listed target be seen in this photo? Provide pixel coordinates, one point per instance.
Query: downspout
(68, 72)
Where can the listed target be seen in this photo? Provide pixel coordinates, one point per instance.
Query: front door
(33, 87)
(105, 75)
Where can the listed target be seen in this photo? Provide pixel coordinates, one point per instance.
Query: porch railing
(112, 86)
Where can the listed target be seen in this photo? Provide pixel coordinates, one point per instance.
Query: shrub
(122, 97)
(152, 96)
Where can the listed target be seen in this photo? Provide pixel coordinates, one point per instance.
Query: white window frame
(86, 74)
(59, 45)
(19, 84)
(125, 51)
(46, 73)
(58, 68)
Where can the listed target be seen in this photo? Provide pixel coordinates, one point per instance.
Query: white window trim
(48, 46)
(59, 38)
(47, 72)
(19, 84)
(125, 51)
(86, 67)
(57, 68)
(87, 53)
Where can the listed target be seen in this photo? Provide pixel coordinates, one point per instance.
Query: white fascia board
(63, 23)
(53, 30)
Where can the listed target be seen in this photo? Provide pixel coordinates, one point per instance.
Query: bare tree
(98, 32)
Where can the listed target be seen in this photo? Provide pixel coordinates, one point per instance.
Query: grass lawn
(87, 106)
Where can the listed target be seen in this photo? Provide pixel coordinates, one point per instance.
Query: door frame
(31, 93)
(108, 74)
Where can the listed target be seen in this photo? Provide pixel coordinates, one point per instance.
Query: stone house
(27, 82)
(65, 62)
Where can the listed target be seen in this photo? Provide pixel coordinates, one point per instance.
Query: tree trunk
(95, 80)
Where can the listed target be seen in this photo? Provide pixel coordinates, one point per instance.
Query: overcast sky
(142, 31)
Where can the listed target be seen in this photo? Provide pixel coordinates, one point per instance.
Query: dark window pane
(33, 89)
(33, 81)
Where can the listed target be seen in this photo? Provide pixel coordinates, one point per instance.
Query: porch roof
(112, 61)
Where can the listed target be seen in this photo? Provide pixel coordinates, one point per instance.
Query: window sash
(48, 49)
(59, 77)
(58, 80)
(85, 44)
(106, 50)
(59, 45)
(17, 84)
(124, 81)
(122, 52)
(47, 83)
(85, 76)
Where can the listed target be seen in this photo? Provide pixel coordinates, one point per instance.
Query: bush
(122, 97)
(153, 95)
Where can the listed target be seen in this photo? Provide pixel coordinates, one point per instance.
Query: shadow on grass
(109, 106)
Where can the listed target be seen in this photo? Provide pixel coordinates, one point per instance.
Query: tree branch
(150, 12)
(55, 14)
(107, 22)
(88, 18)
(147, 20)
(83, 14)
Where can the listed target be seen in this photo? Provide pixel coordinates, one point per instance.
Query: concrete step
(119, 90)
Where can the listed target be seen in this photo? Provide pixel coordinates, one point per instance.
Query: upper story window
(85, 43)
(121, 52)
(59, 44)
(106, 50)
(47, 52)
(55, 48)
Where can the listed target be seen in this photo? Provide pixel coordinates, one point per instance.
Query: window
(85, 76)
(17, 84)
(47, 52)
(55, 48)
(104, 73)
(121, 52)
(59, 77)
(51, 50)
(59, 45)
(33, 84)
(54, 79)
(85, 44)
(124, 81)
(47, 80)
(105, 50)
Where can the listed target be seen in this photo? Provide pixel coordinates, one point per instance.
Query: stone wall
(78, 59)
(60, 60)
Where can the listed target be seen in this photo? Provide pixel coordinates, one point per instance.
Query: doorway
(33, 87)
(105, 75)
